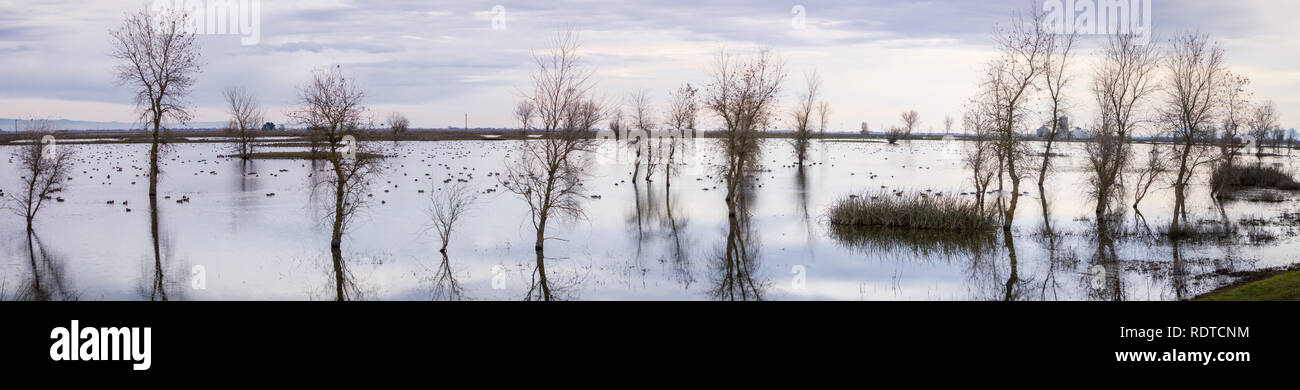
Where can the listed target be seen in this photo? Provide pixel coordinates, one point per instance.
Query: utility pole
(467, 121)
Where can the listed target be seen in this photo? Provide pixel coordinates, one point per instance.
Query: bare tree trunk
(336, 236)
(153, 159)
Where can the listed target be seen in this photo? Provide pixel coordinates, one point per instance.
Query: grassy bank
(910, 211)
(1284, 286)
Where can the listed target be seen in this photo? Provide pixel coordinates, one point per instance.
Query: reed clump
(1228, 177)
(920, 211)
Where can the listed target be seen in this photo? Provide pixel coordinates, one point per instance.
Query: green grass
(911, 211)
(1280, 287)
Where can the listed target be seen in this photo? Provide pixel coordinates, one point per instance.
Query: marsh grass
(911, 211)
(925, 243)
(1204, 231)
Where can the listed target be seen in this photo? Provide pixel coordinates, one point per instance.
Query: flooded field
(255, 231)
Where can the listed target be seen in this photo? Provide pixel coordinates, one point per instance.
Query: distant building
(1061, 132)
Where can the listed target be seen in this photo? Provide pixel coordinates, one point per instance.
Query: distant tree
(947, 124)
(895, 133)
(398, 123)
(245, 112)
(823, 117)
(911, 121)
(683, 110)
(268, 126)
(865, 129)
(802, 116)
(525, 111)
(158, 57)
(616, 122)
(643, 121)
(1263, 119)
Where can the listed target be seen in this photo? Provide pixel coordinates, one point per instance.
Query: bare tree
(1236, 112)
(801, 117)
(1279, 137)
(246, 116)
(330, 104)
(683, 110)
(449, 205)
(616, 122)
(895, 133)
(1056, 78)
(864, 128)
(911, 121)
(1006, 89)
(743, 95)
(1157, 164)
(524, 113)
(1122, 84)
(158, 58)
(947, 124)
(549, 172)
(980, 153)
(1196, 77)
(1107, 150)
(823, 117)
(44, 166)
(1263, 119)
(643, 121)
(398, 123)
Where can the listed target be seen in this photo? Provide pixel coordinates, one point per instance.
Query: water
(641, 241)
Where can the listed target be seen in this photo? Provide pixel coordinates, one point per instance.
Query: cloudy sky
(440, 60)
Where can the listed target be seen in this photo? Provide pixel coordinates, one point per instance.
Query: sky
(442, 61)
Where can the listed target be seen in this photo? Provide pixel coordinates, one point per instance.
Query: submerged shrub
(911, 211)
(1252, 176)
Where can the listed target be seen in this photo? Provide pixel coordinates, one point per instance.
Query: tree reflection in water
(1104, 277)
(660, 222)
(445, 285)
(679, 246)
(47, 279)
(735, 263)
(160, 288)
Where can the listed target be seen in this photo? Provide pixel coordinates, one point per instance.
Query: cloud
(442, 59)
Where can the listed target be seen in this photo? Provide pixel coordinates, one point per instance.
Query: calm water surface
(638, 241)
